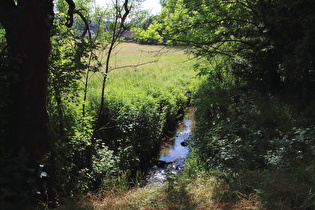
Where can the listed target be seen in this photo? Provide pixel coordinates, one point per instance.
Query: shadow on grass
(179, 198)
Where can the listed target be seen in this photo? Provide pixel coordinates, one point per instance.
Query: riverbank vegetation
(245, 66)
(108, 114)
(254, 112)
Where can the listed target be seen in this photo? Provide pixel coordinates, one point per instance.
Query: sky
(151, 5)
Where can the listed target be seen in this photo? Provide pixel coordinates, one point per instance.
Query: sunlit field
(137, 71)
(150, 62)
(135, 54)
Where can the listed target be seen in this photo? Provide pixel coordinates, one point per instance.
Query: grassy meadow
(147, 91)
(134, 67)
(156, 78)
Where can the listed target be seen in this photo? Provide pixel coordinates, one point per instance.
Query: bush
(238, 130)
(260, 144)
(135, 123)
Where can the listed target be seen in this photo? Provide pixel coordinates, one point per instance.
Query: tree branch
(70, 20)
(71, 10)
(200, 44)
(134, 66)
(86, 29)
(127, 10)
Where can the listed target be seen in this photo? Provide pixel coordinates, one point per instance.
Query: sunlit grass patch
(171, 72)
(131, 54)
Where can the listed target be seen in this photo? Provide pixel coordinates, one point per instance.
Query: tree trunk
(27, 25)
(28, 38)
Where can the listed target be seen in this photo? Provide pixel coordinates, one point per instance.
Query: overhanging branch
(70, 19)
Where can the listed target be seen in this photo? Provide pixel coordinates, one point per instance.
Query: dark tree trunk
(305, 88)
(27, 25)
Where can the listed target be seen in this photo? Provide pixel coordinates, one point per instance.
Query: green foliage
(247, 130)
(73, 177)
(147, 36)
(145, 19)
(266, 44)
(141, 105)
(262, 143)
(72, 57)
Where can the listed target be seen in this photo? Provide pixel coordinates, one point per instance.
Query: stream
(172, 154)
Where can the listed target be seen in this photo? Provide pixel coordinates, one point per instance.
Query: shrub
(238, 130)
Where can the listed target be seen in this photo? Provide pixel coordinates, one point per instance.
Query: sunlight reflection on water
(176, 150)
(172, 152)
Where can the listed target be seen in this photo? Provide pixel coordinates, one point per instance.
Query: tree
(27, 138)
(27, 27)
(290, 26)
(266, 44)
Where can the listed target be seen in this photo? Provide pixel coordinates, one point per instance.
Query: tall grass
(146, 91)
(144, 70)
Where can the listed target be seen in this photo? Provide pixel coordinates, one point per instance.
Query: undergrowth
(264, 144)
(249, 150)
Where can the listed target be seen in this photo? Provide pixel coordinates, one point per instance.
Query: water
(173, 154)
(174, 150)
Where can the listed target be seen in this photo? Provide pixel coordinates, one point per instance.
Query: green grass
(148, 71)
(136, 93)
(146, 65)
(145, 75)
(147, 89)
